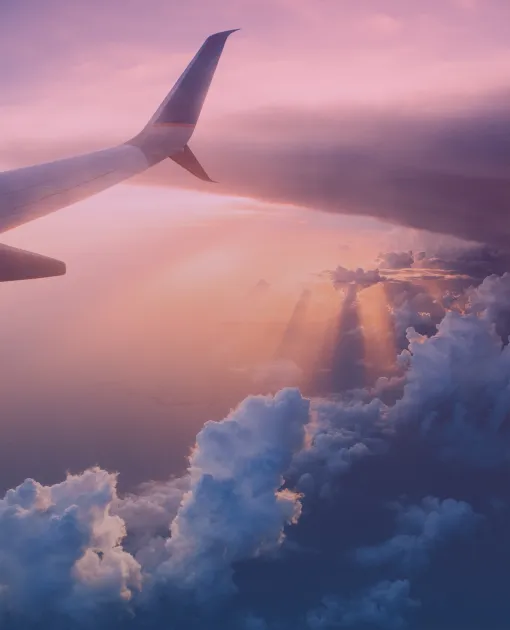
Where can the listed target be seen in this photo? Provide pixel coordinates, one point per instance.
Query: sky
(280, 401)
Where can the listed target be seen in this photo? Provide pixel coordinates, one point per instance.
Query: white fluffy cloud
(60, 546)
(458, 389)
(491, 301)
(235, 508)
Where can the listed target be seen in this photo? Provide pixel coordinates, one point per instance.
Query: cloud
(235, 531)
(293, 513)
(474, 262)
(412, 307)
(60, 548)
(395, 260)
(408, 316)
(491, 300)
(412, 467)
(420, 528)
(456, 389)
(456, 270)
(440, 173)
(341, 276)
(339, 434)
(466, 261)
(235, 509)
(451, 394)
(148, 511)
(62, 552)
(381, 606)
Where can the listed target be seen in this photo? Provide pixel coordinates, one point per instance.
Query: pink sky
(153, 271)
(72, 70)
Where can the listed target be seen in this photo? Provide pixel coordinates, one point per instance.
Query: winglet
(186, 158)
(184, 103)
(170, 128)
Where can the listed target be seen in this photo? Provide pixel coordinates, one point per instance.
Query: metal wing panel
(32, 192)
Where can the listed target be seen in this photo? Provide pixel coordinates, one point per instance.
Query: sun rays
(378, 332)
(233, 288)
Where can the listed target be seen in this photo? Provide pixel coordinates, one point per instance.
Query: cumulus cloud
(60, 547)
(339, 434)
(452, 394)
(235, 508)
(407, 316)
(412, 307)
(457, 389)
(491, 300)
(148, 511)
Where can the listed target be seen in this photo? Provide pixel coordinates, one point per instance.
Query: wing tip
(221, 37)
(225, 33)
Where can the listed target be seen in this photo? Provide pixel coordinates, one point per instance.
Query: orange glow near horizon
(155, 273)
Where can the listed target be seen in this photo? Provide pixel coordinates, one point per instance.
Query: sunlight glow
(378, 332)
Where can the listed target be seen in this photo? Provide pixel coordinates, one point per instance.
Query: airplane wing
(32, 192)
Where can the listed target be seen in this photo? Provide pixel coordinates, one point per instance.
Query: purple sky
(71, 69)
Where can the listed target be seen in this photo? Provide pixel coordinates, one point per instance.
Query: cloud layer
(346, 512)
(348, 505)
(439, 172)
